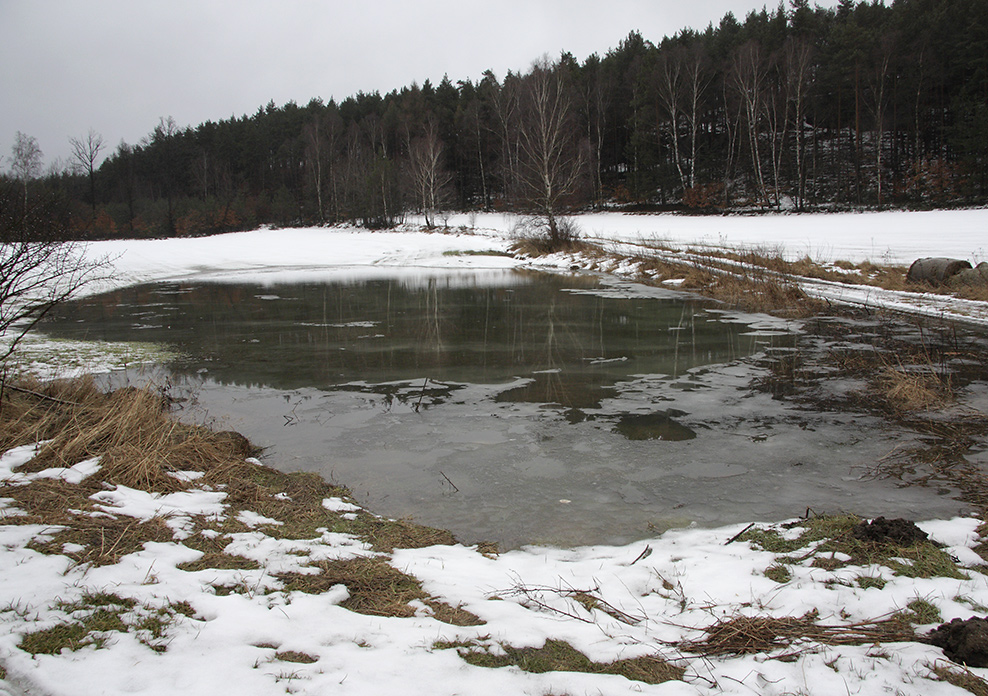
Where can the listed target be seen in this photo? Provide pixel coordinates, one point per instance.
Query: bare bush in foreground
(37, 270)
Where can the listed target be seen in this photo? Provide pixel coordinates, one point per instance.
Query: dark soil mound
(963, 641)
(898, 531)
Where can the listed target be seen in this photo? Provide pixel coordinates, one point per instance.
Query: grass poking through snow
(559, 656)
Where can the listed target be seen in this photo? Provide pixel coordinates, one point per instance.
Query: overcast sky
(117, 66)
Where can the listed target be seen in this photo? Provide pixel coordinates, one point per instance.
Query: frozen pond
(511, 407)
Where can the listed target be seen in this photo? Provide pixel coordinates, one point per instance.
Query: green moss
(97, 614)
(779, 573)
(559, 656)
(821, 538)
(869, 581)
(923, 612)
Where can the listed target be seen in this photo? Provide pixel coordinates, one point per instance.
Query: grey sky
(117, 66)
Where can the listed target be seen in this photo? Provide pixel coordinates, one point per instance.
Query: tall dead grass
(906, 390)
(138, 443)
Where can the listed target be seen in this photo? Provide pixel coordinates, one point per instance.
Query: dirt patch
(897, 531)
(963, 640)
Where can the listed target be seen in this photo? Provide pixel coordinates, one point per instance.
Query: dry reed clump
(139, 445)
(753, 292)
(904, 390)
(742, 635)
(903, 378)
(533, 246)
(972, 292)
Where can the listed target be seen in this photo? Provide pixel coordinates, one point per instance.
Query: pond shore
(286, 583)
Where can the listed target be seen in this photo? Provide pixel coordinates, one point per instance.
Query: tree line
(800, 107)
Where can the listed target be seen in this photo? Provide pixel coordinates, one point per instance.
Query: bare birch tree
(313, 157)
(879, 98)
(669, 84)
(748, 75)
(429, 177)
(696, 78)
(797, 64)
(26, 160)
(552, 162)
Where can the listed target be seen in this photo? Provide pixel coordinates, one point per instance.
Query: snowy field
(687, 580)
(884, 238)
(890, 237)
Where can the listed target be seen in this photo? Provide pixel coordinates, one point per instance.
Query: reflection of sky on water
(627, 403)
(410, 277)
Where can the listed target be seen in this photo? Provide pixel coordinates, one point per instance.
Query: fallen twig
(41, 396)
(450, 482)
(739, 534)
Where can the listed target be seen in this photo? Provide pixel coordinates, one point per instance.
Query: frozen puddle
(522, 408)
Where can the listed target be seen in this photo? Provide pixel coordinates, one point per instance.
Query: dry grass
(540, 246)
(129, 429)
(742, 635)
(907, 390)
(960, 677)
(73, 519)
(376, 588)
(296, 656)
(90, 619)
(753, 292)
(219, 561)
(906, 376)
(295, 499)
(754, 280)
(140, 445)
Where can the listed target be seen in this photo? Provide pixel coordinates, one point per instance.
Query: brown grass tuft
(913, 390)
(376, 588)
(219, 561)
(960, 677)
(296, 656)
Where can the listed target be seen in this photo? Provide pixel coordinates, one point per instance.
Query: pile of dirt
(898, 531)
(963, 640)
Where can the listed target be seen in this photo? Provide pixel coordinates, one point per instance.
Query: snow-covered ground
(888, 237)
(651, 594)
(688, 580)
(884, 238)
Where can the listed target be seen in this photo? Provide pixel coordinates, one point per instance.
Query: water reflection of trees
(572, 344)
